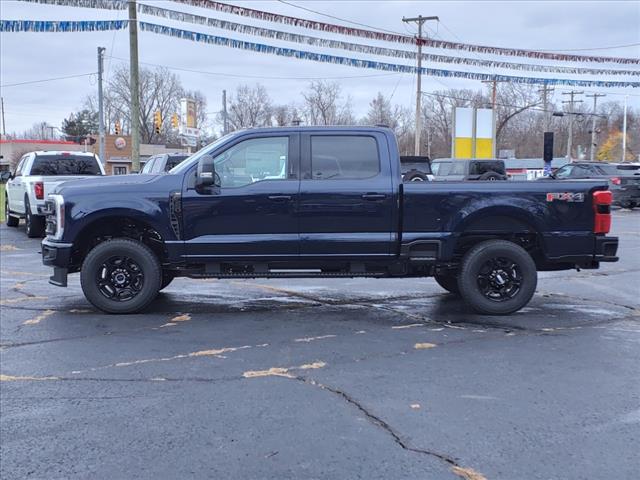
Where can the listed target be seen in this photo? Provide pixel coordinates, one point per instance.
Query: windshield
(193, 159)
(50, 165)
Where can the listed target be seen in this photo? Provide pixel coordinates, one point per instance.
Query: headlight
(55, 216)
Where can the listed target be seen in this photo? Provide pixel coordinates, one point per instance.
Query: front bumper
(58, 256)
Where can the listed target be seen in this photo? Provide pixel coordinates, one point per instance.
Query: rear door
(346, 205)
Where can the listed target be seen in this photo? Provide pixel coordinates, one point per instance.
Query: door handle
(280, 198)
(374, 196)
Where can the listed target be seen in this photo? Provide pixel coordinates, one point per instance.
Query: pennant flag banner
(62, 26)
(105, 4)
(367, 49)
(359, 63)
(396, 37)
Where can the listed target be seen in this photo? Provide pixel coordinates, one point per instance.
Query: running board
(285, 274)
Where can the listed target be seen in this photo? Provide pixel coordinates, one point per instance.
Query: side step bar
(285, 274)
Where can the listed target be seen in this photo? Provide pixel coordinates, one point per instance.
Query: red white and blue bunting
(62, 26)
(368, 49)
(104, 4)
(398, 38)
(360, 63)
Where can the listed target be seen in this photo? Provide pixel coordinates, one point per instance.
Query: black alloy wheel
(120, 278)
(121, 275)
(497, 277)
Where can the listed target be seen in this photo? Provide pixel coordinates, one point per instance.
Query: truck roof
(303, 128)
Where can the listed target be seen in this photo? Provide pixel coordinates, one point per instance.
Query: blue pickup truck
(319, 202)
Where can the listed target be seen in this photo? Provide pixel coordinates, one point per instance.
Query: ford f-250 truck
(319, 202)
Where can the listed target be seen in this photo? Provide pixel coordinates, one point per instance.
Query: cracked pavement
(321, 378)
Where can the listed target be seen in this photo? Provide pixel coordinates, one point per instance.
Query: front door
(252, 213)
(347, 204)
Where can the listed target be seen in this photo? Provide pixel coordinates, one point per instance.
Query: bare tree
(283, 115)
(323, 104)
(249, 107)
(160, 90)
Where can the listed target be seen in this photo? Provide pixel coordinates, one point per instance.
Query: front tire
(10, 219)
(121, 276)
(33, 223)
(497, 277)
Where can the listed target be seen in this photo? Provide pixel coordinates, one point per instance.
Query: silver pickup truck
(38, 174)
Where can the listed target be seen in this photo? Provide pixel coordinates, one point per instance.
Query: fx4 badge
(565, 197)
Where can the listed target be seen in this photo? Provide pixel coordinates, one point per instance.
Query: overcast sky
(542, 25)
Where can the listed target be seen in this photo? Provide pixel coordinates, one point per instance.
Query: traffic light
(117, 127)
(174, 120)
(157, 121)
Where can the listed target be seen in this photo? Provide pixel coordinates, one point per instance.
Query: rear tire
(121, 276)
(492, 176)
(10, 220)
(415, 176)
(33, 223)
(448, 282)
(497, 277)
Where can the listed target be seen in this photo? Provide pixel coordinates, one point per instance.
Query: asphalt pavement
(326, 379)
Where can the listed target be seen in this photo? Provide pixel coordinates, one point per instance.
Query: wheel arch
(117, 223)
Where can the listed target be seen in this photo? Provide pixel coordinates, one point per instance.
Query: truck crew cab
(319, 202)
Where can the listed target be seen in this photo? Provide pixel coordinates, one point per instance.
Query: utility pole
(101, 132)
(545, 91)
(494, 96)
(593, 123)
(135, 87)
(572, 94)
(225, 124)
(624, 130)
(4, 124)
(419, 20)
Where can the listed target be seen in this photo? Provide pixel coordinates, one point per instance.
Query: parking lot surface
(365, 378)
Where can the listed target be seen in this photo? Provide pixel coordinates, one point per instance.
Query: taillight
(38, 189)
(615, 181)
(602, 209)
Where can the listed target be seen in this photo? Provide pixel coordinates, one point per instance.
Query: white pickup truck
(35, 176)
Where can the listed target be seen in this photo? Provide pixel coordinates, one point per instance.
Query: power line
(340, 19)
(47, 80)
(612, 47)
(260, 77)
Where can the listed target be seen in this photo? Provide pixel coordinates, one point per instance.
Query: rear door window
(335, 157)
(50, 165)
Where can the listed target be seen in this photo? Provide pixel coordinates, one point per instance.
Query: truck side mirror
(206, 174)
(6, 176)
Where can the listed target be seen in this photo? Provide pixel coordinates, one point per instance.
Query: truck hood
(104, 183)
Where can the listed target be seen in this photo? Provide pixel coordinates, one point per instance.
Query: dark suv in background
(468, 169)
(624, 179)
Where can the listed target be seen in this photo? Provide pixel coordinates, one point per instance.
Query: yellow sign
(472, 133)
